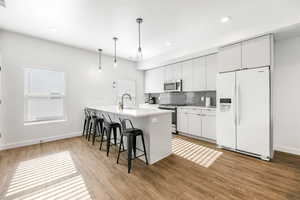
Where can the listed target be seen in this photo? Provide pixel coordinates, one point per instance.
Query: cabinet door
(199, 74)
(182, 121)
(173, 72)
(147, 81)
(187, 74)
(256, 52)
(230, 58)
(168, 73)
(157, 80)
(209, 127)
(211, 71)
(194, 124)
(177, 71)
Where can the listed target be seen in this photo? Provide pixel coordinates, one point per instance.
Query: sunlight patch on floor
(198, 154)
(49, 177)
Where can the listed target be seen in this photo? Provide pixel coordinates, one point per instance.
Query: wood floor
(74, 169)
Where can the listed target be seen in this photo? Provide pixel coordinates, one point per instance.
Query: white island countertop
(132, 112)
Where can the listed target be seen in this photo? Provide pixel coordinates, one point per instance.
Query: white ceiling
(188, 25)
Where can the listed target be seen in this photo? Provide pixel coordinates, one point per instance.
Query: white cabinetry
(194, 124)
(154, 80)
(256, 52)
(172, 73)
(247, 54)
(199, 74)
(182, 121)
(211, 71)
(209, 126)
(198, 122)
(187, 74)
(230, 58)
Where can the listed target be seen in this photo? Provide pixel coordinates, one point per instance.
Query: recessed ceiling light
(168, 43)
(225, 19)
(52, 29)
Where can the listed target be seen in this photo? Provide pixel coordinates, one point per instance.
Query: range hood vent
(2, 3)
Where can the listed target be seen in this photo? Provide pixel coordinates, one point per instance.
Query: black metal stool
(86, 124)
(108, 127)
(131, 134)
(92, 125)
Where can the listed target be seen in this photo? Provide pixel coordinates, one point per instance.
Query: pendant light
(100, 59)
(115, 57)
(139, 53)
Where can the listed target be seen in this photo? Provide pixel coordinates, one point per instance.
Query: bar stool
(131, 134)
(92, 125)
(108, 127)
(87, 119)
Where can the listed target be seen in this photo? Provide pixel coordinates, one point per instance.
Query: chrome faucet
(122, 102)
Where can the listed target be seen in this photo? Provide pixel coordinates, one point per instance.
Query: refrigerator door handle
(238, 104)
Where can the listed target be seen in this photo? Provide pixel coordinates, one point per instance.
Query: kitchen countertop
(132, 112)
(199, 107)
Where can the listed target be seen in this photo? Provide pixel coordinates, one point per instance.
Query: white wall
(287, 95)
(84, 84)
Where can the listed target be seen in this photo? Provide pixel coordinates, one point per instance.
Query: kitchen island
(156, 125)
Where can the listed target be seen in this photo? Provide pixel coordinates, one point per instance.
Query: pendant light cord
(139, 36)
(115, 50)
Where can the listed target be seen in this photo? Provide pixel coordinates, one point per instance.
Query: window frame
(51, 95)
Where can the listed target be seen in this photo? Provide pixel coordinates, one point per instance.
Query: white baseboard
(38, 141)
(288, 150)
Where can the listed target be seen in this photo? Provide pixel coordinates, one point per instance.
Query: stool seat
(132, 131)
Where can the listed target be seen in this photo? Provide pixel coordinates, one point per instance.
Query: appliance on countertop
(175, 86)
(152, 100)
(243, 112)
(208, 102)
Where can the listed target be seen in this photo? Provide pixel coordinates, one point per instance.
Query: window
(44, 95)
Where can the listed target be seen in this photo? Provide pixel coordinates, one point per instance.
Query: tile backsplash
(191, 98)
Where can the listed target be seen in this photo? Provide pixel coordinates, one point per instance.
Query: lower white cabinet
(194, 124)
(182, 121)
(209, 126)
(197, 122)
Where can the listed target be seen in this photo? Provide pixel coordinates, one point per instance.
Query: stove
(173, 108)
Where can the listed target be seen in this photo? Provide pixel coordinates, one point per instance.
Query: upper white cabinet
(256, 52)
(247, 54)
(187, 74)
(230, 58)
(211, 71)
(199, 74)
(154, 80)
(172, 72)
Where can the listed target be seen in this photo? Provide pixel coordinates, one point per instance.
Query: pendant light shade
(100, 59)
(139, 52)
(115, 56)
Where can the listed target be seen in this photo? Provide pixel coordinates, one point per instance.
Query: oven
(174, 116)
(175, 86)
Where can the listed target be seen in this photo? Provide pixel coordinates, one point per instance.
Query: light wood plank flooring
(74, 169)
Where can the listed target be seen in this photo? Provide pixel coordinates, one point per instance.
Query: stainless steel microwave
(175, 86)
